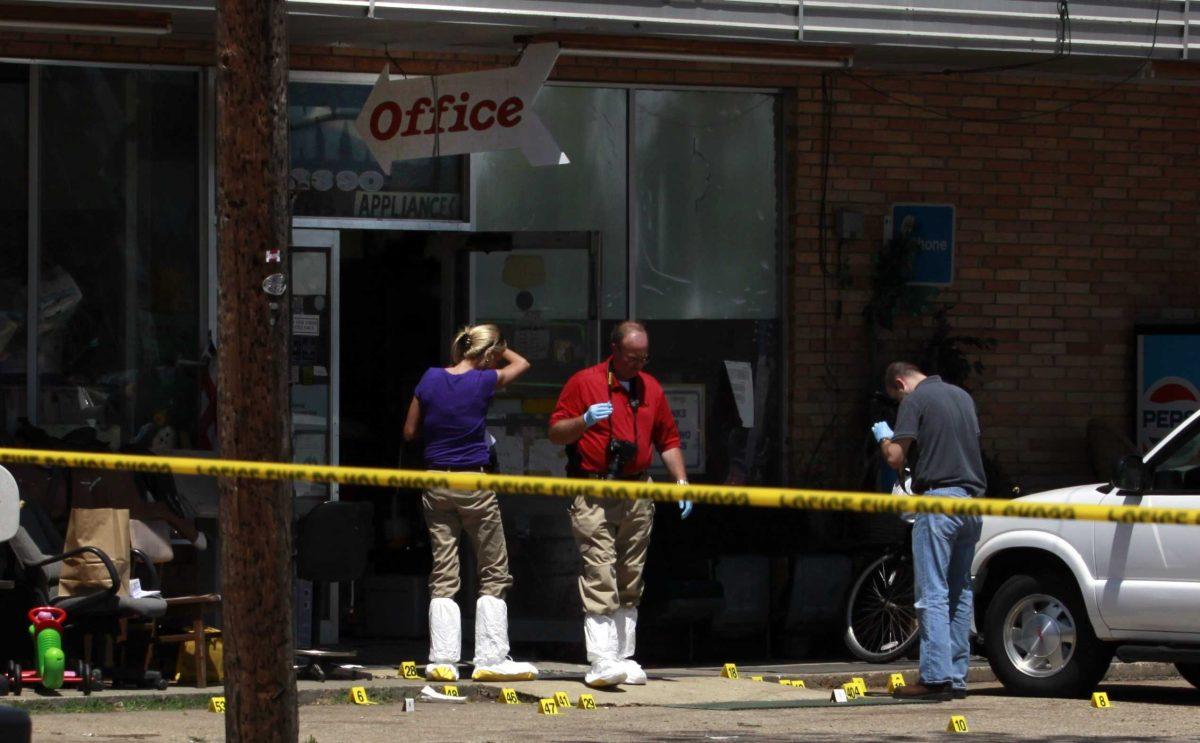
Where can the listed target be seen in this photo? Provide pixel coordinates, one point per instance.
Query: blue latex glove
(882, 431)
(597, 413)
(685, 506)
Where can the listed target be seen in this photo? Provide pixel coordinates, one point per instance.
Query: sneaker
(634, 675)
(605, 673)
(441, 672)
(930, 692)
(959, 692)
(506, 670)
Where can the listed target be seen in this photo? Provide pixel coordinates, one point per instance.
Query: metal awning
(1121, 28)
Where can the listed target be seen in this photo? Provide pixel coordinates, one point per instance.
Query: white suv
(1055, 600)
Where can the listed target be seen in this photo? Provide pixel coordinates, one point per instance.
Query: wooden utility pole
(253, 402)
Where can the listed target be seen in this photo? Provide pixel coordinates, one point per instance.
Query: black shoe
(958, 693)
(928, 692)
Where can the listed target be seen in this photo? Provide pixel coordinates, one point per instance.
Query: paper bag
(107, 529)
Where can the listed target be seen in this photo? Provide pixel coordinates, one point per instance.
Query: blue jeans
(943, 548)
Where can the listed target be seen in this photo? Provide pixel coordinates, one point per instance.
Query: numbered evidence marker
(562, 700)
(547, 707)
(408, 670)
(450, 690)
(729, 671)
(1100, 700)
(756, 678)
(852, 690)
(839, 696)
(509, 696)
(587, 701)
(895, 681)
(958, 724)
(216, 704)
(358, 695)
(860, 683)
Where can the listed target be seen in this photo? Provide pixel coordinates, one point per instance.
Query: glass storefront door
(314, 296)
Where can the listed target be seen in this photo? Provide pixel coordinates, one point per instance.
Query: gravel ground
(1150, 709)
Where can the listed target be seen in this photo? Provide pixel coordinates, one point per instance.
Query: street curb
(1142, 671)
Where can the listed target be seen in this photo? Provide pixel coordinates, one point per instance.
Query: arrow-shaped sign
(456, 114)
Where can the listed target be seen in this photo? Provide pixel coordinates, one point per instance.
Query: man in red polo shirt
(608, 416)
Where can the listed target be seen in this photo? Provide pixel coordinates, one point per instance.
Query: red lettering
(419, 107)
(461, 111)
(388, 107)
(435, 125)
(477, 122)
(509, 114)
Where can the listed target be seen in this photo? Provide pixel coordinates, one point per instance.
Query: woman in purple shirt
(448, 410)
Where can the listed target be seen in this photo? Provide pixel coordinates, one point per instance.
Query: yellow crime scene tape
(720, 495)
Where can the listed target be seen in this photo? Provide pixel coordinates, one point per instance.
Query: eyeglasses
(635, 358)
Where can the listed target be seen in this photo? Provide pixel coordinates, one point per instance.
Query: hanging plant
(891, 294)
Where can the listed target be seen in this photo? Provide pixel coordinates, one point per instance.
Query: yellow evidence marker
(1100, 700)
(756, 678)
(358, 695)
(729, 671)
(216, 704)
(958, 724)
(408, 670)
(798, 683)
(509, 696)
(562, 700)
(450, 690)
(852, 690)
(785, 682)
(587, 701)
(861, 684)
(547, 707)
(895, 681)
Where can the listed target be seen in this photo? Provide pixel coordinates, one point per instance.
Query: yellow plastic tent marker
(895, 681)
(408, 670)
(358, 695)
(216, 704)
(958, 724)
(450, 690)
(729, 671)
(587, 701)
(562, 700)
(547, 707)
(509, 696)
(1100, 700)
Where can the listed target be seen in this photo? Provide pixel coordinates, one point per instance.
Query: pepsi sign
(1168, 382)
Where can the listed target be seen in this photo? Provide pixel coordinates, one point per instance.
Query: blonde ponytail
(481, 344)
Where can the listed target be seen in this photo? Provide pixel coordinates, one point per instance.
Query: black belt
(604, 476)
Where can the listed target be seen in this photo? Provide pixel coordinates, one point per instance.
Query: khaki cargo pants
(613, 537)
(447, 514)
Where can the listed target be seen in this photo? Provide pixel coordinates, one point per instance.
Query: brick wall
(1071, 227)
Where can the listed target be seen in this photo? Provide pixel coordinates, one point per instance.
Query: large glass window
(588, 195)
(706, 213)
(334, 174)
(14, 239)
(119, 259)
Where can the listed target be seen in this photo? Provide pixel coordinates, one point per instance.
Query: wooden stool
(195, 605)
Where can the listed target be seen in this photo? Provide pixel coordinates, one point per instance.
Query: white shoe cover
(445, 632)
(441, 672)
(505, 670)
(605, 673)
(626, 621)
(491, 645)
(600, 636)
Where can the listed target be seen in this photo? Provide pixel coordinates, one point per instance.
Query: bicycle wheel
(881, 623)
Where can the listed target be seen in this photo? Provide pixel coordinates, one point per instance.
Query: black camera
(620, 452)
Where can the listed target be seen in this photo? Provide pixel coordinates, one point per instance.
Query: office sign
(687, 405)
(932, 226)
(458, 114)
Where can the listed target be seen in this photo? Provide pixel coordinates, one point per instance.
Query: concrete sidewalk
(668, 686)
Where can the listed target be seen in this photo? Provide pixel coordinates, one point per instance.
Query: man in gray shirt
(941, 419)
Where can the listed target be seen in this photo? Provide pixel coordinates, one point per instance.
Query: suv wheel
(1038, 638)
